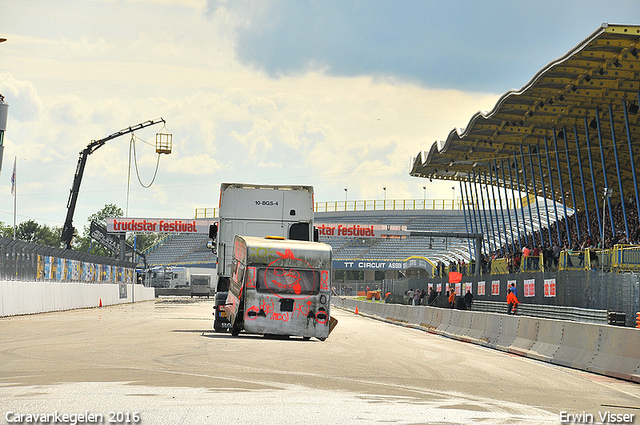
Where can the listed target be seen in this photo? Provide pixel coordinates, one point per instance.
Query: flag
(13, 177)
(455, 277)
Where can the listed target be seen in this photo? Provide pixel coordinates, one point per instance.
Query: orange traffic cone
(356, 309)
(100, 303)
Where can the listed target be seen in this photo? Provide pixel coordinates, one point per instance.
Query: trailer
(280, 287)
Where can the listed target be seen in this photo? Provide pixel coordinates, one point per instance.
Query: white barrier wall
(37, 297)
(607, 350)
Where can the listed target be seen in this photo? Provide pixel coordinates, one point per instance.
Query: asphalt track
(162, 361)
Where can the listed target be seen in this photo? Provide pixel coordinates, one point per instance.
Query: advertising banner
(108, 240)
(529, 287)
(160, 225)
(549, 287)
(361, 230)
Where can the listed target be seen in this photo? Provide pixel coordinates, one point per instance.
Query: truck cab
(257, 210)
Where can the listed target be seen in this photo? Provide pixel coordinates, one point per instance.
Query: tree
(49, 236)
(6, 231)
(30, 231)
(26, 231)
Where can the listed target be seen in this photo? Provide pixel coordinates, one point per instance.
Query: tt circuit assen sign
(159, 225)
(409, 263)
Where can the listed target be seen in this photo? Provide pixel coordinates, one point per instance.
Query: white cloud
(228, 122)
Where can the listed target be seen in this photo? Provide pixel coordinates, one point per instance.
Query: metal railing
(367, 205)
(575, 314)
(24, 261)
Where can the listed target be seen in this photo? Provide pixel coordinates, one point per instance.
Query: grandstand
(181, 249)
(191, 250)
(434, 249)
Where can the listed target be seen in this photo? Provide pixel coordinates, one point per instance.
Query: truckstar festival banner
(159, 225)
(361, 231)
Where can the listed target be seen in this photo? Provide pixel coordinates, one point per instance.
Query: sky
(334, 94)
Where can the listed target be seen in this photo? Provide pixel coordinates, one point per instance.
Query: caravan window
(287, 280)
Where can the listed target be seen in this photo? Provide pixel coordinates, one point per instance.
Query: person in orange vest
(452, 297)
(512, 302)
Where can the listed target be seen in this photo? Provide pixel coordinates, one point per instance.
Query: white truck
(257, 210)
(168, 277)
(200, 285)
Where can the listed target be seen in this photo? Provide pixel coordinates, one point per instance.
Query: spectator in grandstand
(547, 257)
(535, 260)
(512, 302)
(593, 258)
(526, 252)
(556, 254)
(468, 299)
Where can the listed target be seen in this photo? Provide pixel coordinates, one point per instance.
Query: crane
(68, 230)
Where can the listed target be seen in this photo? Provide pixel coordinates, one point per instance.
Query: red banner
(455, 277)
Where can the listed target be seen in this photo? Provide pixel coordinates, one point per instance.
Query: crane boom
(68, 230)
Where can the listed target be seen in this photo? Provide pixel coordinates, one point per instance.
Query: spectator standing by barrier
(452, 297)
(468, 299)
(512, 302)
(417, 296)
(513, 289)
(432, 296)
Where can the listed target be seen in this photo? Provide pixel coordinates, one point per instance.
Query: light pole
(384, 203)
(345, 198)
(424, 203)
(453, 200)
(605, 195)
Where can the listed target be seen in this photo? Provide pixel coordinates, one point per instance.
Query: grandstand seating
(184, 249)
(444, 249)
(181, 249)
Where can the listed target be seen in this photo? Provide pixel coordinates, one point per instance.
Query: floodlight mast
(68, 230)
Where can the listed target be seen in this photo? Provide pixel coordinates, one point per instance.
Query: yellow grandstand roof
(600, 76)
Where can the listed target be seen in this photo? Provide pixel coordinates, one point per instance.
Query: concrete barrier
(38, 297)
(445, 320)
(579, 346)
(429, 320)
(526, 337)
(508, 332)
(547, 341)
(618, 353)
(455, 329)
(476, 328)
(603, 349)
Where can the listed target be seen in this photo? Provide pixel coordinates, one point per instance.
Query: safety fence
(619, 259)
(603, 349)
(575, 314)
(26, 261)
(587, 289)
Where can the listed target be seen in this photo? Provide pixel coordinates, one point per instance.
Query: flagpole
(13, 190)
